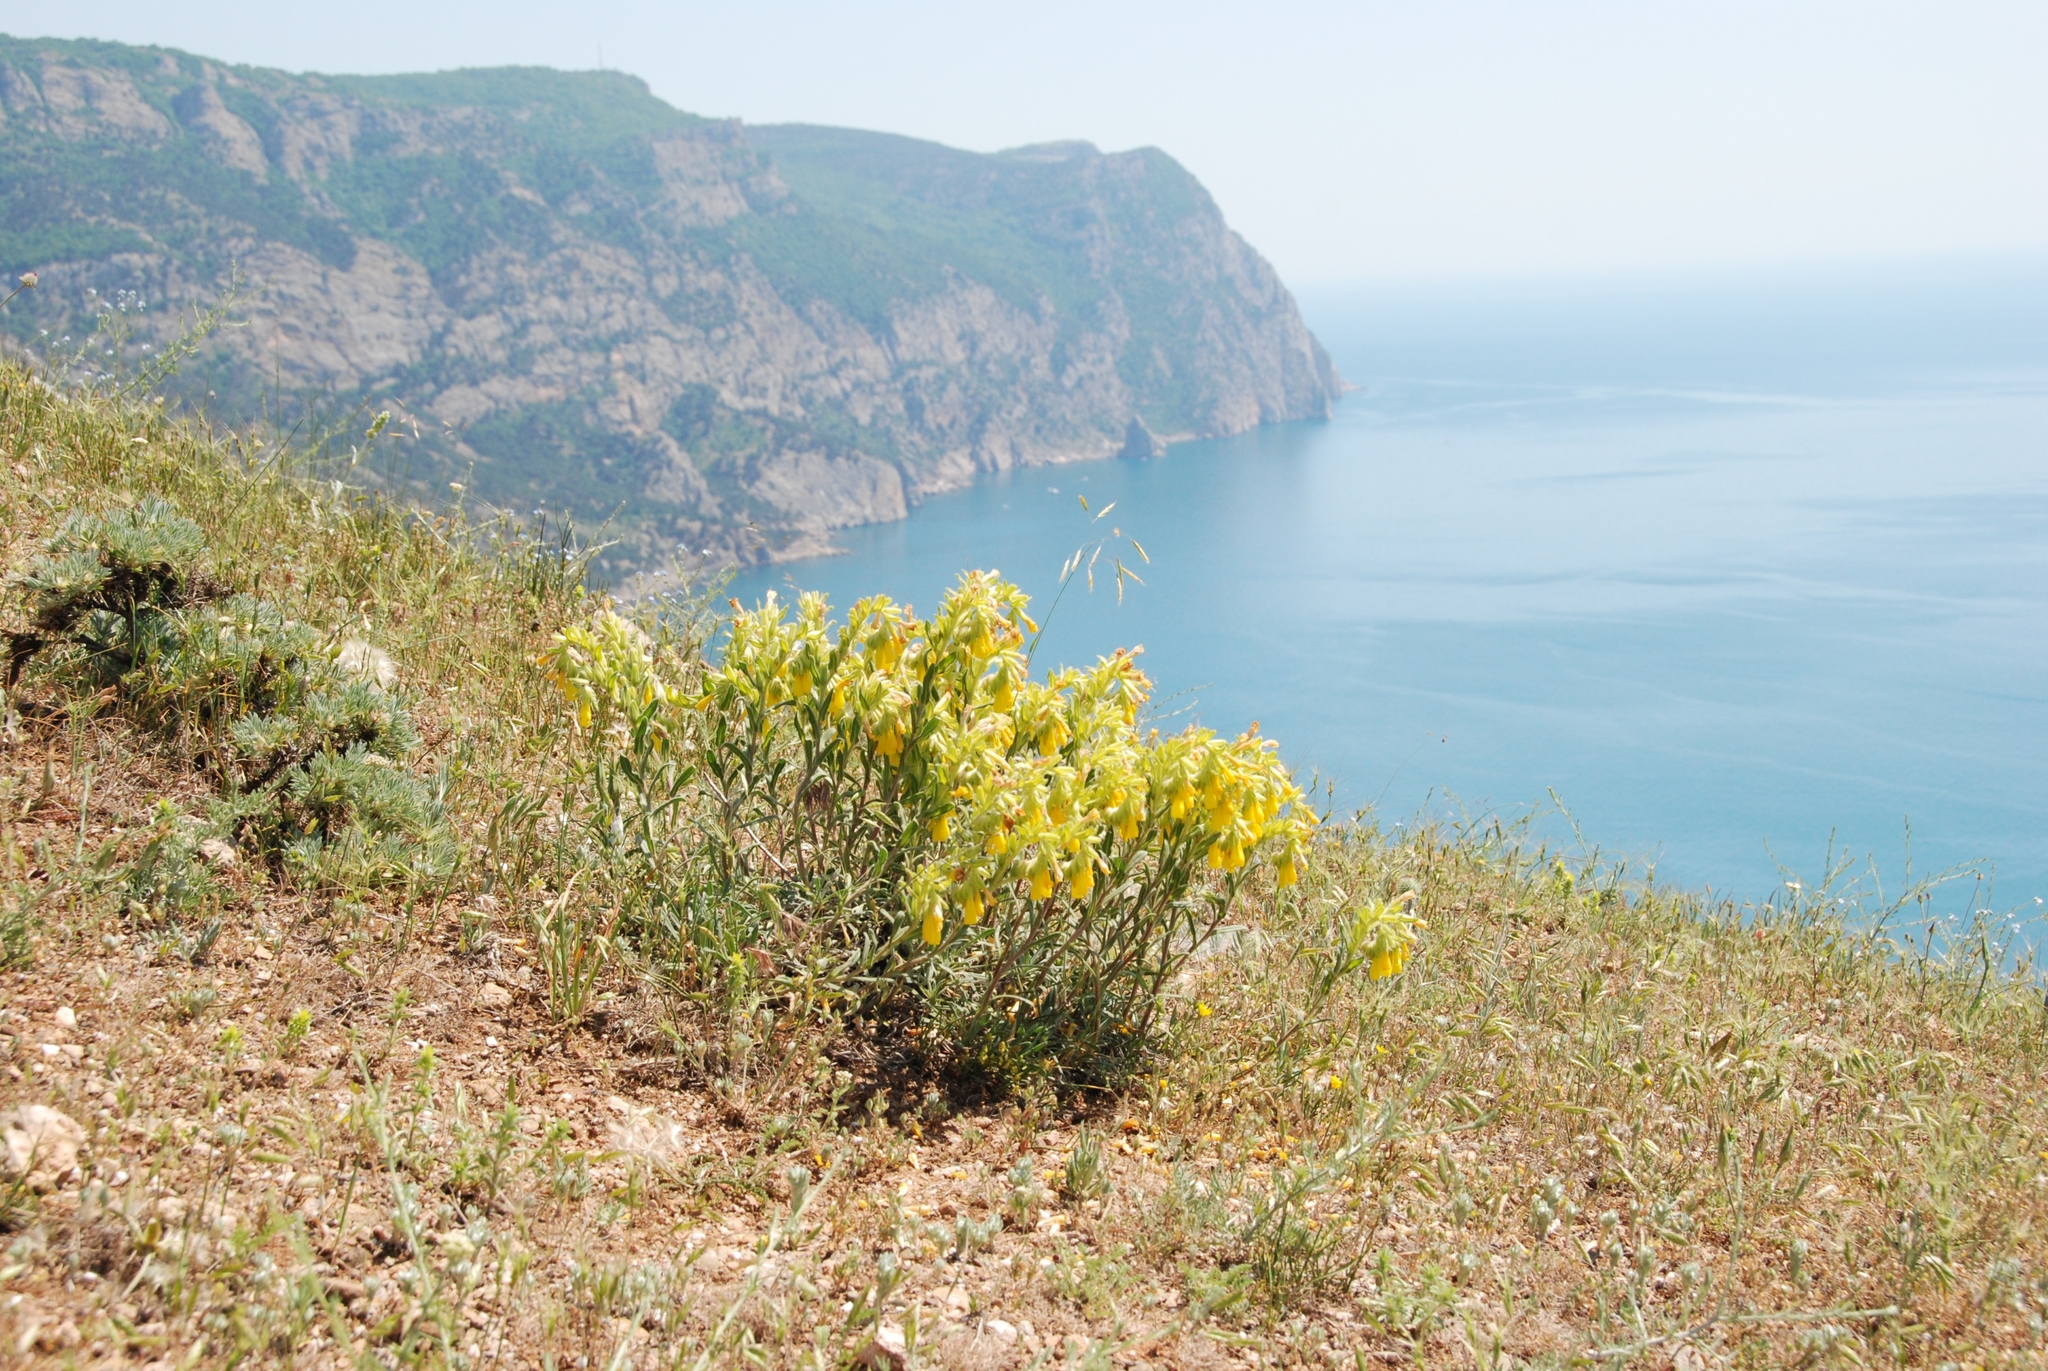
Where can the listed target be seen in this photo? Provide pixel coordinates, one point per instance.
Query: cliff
(726, 339)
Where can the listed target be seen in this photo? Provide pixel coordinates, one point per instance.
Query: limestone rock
(1140, 441)
(886, 1351)
(700, 340)
(41, 1142)
(225, 135)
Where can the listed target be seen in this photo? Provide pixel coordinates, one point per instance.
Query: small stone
(1002, 1330)
(494, 996)
(41, 1137)
(62, 1338)
(886, 1351)
(67, 1018)
(220, 853)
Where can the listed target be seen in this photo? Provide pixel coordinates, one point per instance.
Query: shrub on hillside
(307, 753)
(893, 807)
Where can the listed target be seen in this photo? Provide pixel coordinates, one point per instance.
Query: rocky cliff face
(727, 340)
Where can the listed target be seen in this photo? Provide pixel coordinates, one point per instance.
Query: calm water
(1729, 565)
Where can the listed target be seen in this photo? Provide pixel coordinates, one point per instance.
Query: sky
(1350, 142)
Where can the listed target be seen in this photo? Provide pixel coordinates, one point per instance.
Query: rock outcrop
(725, 340)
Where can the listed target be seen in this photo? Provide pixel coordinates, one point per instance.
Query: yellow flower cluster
(1381, 933)
(1014, 790)
(606, 670)
(1003, 790)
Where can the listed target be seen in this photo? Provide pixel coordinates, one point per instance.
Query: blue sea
(1738, 568)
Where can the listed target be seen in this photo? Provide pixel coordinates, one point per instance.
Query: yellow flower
(1202, 1009)
(1285, 875)
(890, 744)
(1005, 697)
(1082, 881)
(941, 829)
(997, 844)
(934, 927)
(970, 908)
(1041, 883)
(801, 683)
(839, 698)
(583, 713)
(1336, 1082)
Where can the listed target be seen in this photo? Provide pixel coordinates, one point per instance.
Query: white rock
(219, 852)
(67, 1017)
(886, 1351)
(1002, 1330)
(494, 996)
(41, 1137)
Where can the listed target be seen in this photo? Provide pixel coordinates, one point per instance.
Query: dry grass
(1591, 1123)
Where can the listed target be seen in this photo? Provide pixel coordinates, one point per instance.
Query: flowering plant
(1018, 854)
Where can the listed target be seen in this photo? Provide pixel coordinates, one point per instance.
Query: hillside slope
(736, 339)
(435, 1095)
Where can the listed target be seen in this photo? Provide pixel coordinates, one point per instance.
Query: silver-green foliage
(309, 757)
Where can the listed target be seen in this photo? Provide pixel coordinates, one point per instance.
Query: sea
(1721, 578)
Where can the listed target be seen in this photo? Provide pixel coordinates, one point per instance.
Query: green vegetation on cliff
(727, 340)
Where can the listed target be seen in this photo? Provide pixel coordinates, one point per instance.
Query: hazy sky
(1347, 141)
